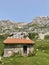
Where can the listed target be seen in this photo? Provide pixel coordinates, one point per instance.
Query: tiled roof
(18, 41)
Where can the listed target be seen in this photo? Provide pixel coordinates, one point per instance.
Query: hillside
(38, 24)
(7, 26)
(41, 56)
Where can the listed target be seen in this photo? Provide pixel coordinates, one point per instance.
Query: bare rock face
(7, 26)
(41, 20)
(39, 24)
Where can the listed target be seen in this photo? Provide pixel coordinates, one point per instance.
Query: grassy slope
(41, 57)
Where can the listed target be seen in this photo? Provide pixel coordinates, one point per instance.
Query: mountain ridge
(38, 24)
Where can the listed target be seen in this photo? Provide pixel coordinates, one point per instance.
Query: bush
(4, 36)
(33, 35)
(42, 46)
(46, 37)
(1, 48)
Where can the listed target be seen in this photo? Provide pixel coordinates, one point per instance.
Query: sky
(23, 10)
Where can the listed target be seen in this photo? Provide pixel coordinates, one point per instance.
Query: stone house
(17, 45)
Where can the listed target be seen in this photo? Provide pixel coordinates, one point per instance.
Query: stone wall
(18, 49)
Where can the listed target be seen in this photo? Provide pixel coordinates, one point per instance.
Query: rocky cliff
(38, 24)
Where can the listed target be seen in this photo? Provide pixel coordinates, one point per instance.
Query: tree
(33, 35)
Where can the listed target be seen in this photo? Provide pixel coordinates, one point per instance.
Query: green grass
(41, 57)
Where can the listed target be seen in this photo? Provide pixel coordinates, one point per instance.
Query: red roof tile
(17, 40)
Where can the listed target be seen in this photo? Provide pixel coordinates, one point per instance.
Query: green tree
(33, 35)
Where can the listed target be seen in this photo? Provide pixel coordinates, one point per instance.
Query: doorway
(25, 49)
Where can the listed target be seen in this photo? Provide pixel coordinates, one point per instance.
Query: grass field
(39, 59)
(41, 56)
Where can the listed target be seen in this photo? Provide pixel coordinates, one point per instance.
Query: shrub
(46, 37)
(33, 35)
(1, 48)
(4, 36)
(42, 46)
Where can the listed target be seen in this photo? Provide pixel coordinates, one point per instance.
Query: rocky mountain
(39, 24)
(7, 26)
(21, 24)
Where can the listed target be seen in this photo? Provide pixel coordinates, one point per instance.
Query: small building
(18, 46)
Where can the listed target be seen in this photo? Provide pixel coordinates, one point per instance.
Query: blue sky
(23, 10)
